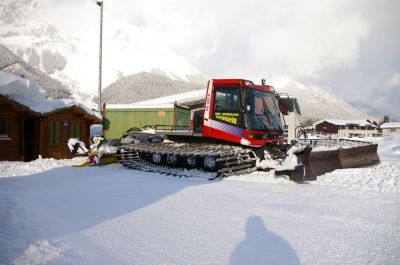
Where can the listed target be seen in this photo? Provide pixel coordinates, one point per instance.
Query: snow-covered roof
(166, 102)
(345, 122)
(138, 106)
(178, 98)
(390, 125)
(32, 96)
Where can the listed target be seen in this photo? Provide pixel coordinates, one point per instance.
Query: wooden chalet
(346, 128)
(26, 134)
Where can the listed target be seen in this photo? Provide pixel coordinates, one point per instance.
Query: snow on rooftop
(32, 96)
(138, 106)
(162, 102)
(345, 122)
(178, 98)
(390, 125)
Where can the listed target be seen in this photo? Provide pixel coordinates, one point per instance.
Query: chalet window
(392, 129)
(65, 126)
(3, 127)
(75, 130)
(54, 131)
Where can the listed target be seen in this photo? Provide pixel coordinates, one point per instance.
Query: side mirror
(246, 109)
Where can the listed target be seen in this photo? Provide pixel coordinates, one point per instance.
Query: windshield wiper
(266, 111)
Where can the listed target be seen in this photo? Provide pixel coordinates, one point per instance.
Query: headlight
(250, 136)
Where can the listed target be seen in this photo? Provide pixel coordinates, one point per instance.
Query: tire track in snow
(78, 246)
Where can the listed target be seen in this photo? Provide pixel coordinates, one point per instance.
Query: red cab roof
(242, 83)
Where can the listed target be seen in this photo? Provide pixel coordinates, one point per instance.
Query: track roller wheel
(191, 161)
(156, 158)
(210, 163)
(172, 159)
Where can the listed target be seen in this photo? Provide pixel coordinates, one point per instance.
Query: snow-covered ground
(56, 214)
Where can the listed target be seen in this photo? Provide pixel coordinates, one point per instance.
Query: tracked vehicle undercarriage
(188, 159)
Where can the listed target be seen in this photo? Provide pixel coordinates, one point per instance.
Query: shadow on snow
(262, 247)
(68, 200)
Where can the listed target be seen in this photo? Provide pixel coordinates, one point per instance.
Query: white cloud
(236, 38)
(296, 38)
(393, 81)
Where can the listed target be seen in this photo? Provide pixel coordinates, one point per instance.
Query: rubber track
(231, 160)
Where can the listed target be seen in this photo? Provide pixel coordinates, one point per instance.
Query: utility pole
(101, 4)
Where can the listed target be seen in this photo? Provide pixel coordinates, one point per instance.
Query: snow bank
(382, 177)
(389, 148)
(40, 253)
(262, 177)
(291, 160)
(14, 169)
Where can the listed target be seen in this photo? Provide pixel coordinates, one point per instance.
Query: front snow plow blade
(321, 156)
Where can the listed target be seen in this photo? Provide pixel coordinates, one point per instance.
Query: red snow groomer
(240, 112)
(239, 122)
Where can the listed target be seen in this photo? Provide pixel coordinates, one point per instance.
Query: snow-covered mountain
(74, 59)
(316, 103)
(13, 64)
(136, 87)
(369, 110)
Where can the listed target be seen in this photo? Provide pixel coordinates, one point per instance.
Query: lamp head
(98, 2)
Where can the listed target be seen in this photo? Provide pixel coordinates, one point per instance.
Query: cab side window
(226, 106)
(226, 99)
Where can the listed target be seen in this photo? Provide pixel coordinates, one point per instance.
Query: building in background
(390, 128)
(119, 118)
(346, 128)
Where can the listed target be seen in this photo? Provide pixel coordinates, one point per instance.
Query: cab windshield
(262, 112)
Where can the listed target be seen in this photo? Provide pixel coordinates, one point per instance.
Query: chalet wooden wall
(326, 127)
(10, 146)
(58, 127)
(13, 146)
(31, 134)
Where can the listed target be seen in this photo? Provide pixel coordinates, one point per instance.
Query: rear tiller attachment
(319, 156)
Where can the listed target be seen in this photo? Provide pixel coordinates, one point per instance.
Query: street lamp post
(101, 4)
